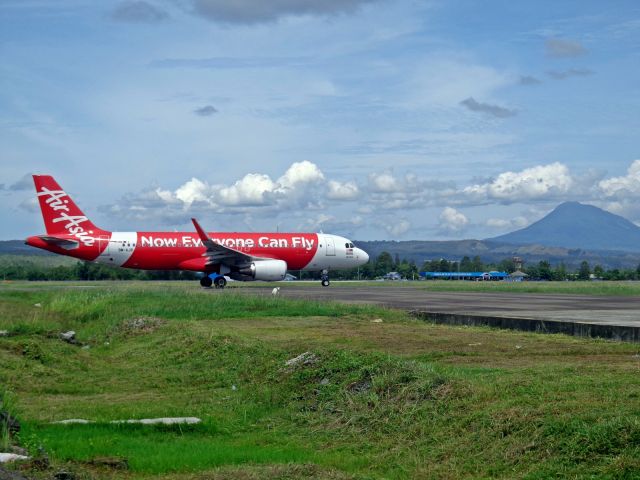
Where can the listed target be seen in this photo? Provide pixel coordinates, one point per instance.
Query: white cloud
(252, 189)
(625, 186)
(383, 182)
(541, 181)
(193, 191)
(300, 173)
(384, 199)
(452, 221)
(342, 191)
(166, 195)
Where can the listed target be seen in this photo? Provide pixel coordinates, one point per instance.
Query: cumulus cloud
(300, 173)
(138, 11)
(542, 181)
(193, 191)
(572, 72)
(260, 11)
(624, 186)
(252, 189)
(452, 221)
(562, 48)
(301, 186)
(342, 190)
(383, 182)
(299, 195)
(206, 111)
(495, 110)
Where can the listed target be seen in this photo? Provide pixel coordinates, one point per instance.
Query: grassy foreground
(383, 396)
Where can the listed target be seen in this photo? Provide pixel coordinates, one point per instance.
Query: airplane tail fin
(60, 213)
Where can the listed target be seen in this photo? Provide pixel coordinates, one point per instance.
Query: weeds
(8, 423)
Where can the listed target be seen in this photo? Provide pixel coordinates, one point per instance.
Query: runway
(611, 317)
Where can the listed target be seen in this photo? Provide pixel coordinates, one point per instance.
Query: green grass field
(387, 396)
(623, 288)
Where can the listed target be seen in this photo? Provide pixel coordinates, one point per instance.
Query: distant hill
(575, 225)
(18, 247)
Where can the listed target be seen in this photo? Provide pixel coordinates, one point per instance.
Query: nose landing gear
(324, 278)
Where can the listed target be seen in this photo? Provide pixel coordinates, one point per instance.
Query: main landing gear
(324, 278)
(217, 282)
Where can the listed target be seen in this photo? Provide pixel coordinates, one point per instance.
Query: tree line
(376, 268)
(543, 270)
(34, 270)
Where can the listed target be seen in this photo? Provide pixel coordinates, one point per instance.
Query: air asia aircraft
(240, 256)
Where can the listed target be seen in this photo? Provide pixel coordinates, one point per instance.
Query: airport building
(488, 276)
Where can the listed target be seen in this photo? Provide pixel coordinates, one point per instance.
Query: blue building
(465, 275)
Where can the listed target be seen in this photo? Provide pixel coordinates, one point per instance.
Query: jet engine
(269, 270)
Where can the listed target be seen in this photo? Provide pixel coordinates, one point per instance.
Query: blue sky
(371, 119)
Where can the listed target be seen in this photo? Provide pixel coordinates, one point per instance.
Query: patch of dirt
(139, 325)
(361, 386)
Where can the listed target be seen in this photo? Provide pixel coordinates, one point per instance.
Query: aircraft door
(331, 246)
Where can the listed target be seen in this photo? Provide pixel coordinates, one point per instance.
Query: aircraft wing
(218, 253)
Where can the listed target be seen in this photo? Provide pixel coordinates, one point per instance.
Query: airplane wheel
(221, 282)
(325, 282)
(206, 282)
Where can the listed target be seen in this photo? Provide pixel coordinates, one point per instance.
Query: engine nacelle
(268, 270)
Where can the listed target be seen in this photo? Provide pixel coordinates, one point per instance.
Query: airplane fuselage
(184, 250)
(241, 255)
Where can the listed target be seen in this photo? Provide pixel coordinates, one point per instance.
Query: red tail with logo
(60, 213)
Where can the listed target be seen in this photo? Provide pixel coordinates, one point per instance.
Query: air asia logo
(72, 222)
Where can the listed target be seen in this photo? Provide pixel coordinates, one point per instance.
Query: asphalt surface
(597, 310)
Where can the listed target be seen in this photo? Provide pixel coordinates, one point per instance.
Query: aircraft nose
(363, 256)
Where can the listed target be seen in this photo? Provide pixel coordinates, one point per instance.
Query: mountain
(575, 225)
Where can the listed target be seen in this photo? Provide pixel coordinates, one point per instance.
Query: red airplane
(237, 255)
